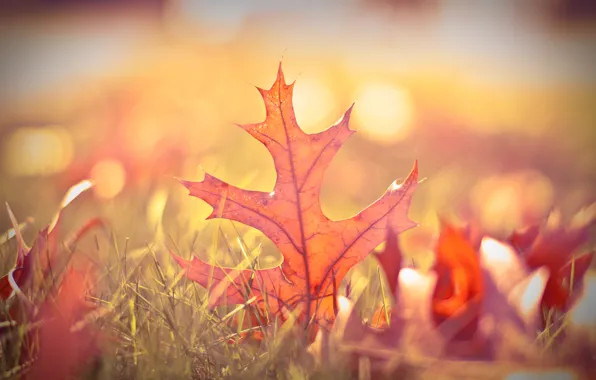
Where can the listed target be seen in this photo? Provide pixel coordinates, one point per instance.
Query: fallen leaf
(317, 252)
(390, 260)
(63, 351)
(42, 254)
(523, 239)
(505, 311)
(459, 278)
(556, 246)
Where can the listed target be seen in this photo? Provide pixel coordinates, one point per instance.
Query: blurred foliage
(496, 104)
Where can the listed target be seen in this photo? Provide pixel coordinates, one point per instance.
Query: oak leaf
(317, 252)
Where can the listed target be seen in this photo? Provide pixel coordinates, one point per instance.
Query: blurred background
(496, 99)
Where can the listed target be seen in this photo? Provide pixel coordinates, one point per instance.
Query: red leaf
(459, 279)
(317, 251)
(63, 352)
(523, 239)
(390, 260)
(558, 290)
(554, 248)
(45, 247)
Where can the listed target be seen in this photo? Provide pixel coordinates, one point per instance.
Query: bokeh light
(384, 112)
(496, 253)
(144, 131)
(313, 103)
(75, 191)
(109, 178)
(512, 200)
(37, 151)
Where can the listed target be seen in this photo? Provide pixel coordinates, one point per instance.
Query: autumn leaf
(317, 252)
(42, 254)
(523, 239)
(506, 309)
(459, 277)
(556, 247)
(390, 259)
(63, 349)
(390, 263)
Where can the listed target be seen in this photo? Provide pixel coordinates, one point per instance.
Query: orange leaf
(234, 284)
(459, 278)
(317, 251)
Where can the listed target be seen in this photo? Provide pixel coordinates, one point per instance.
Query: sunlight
(507, 201)
(313, 103)
(395, 186)
(31, 151)
(343, 303)
(155, 210)
(72, 193)
(495, 253)
(409, 277)
(384, 112)
(532, 294)
(109, 178)
(75, 191)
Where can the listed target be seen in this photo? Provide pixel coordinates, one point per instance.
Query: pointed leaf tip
(184, 182)
(350, 109)
(300, 160)
(280, 78)
(415, 168)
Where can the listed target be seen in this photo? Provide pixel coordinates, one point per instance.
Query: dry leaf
(317, 252)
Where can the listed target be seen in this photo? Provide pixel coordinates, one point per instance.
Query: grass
(153, 323)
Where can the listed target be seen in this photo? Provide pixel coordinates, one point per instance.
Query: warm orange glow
(155, 208)
(384, 112)
(505, 202)
(75, 191)
(35, 151)
(343, 303)
(143, 136)
(496, 254)
(409, 276)
(109, 178)
(313, 103)
(72, 193)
